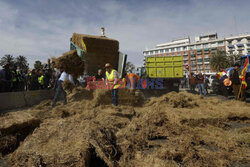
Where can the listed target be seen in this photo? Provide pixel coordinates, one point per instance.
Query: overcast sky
(39, 29)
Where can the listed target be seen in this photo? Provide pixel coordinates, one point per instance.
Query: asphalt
(211, 94)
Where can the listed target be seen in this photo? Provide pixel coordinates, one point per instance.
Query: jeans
(59, 90)
(201, 88)
(192, 88)
(115, 97)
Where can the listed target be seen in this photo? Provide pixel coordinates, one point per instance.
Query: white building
(197, 54)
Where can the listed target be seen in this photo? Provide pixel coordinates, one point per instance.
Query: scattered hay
(68, 86)
(14, 128)
(176, 129)
(57, 142)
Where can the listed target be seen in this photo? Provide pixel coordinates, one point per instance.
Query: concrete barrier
(12, 100)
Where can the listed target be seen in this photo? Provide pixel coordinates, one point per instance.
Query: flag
(84, 47)
(243, 74)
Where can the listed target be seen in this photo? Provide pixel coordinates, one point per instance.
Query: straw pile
(71, 63)
(14, 128)
(176, 129)
(100, 50)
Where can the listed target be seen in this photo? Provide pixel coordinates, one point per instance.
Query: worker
(59, 88)
(15, 79)
(112, 82)
(235, 77)
(41, 80)
(131, 80)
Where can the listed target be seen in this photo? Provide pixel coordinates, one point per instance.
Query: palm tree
(7, 59)
(38, 65)
(129, 67)
(22, 63)
(220, 60)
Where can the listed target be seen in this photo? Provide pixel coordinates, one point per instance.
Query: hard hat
(107, 65)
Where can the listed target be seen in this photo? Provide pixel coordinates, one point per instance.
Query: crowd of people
(193, 81)
(226, 83)
(12, 79)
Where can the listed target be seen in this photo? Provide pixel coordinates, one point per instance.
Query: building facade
(197, 54)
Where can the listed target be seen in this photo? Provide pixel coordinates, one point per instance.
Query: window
(178, 49)
(205, 45)
(220, 43)
(238, 40)
(184, 48)
(221, 49)
(161, 51)
(172, 49)
(198, 46)
(229, 42)
(192, 47)
(151, 52)
(166, 50)
(156, 51)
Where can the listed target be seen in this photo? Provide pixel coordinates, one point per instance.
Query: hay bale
(68, 86)
(14, 128)
(71, 62)
(100, 50)
(57, 142)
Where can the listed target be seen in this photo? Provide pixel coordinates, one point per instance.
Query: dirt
(176, 129)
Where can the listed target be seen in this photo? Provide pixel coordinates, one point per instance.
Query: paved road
(210, 94)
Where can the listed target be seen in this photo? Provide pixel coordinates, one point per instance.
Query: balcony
(199, 63)
(199, 53)
(193, 58)
(206, 63)
(185, 58)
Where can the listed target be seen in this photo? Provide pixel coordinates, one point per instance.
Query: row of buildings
(197, 54)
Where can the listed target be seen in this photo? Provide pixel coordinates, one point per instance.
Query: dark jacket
(234, 76)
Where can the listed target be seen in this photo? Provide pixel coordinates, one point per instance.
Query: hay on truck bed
(100, 50)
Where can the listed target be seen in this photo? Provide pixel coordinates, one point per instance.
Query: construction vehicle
(168, 69)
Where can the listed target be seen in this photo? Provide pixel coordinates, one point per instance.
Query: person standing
(206, 82)
(192, 82)
(200, 84)
(59, 88)
(99, 76)
(112, 82)
(236, 82)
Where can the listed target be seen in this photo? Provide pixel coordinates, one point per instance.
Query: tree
(220, 60)
(22, 63)
(38, 65)
(7, 59)
(233, 58)
(129, 67)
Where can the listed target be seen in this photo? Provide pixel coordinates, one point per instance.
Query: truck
(169, 69)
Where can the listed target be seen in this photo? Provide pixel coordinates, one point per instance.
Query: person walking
(59, 88)
(112, 82)
(236, 82)
(200, 84)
